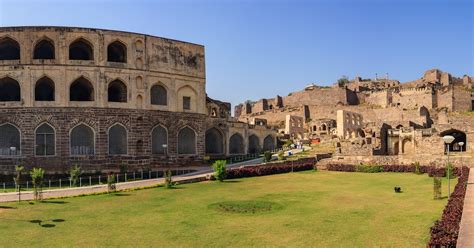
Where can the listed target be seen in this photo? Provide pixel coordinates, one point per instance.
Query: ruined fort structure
(98, 98)
(380, 119)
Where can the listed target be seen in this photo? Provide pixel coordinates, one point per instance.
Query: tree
(343, 81)
(19, 170)
(168, 179)
(74, 174)
(111, 183)
(220, 170)
(37, 175)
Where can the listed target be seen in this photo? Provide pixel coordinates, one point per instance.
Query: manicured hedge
(272, 168)
(431, 170)
(444, 232)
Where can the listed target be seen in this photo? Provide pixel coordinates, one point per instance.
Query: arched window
(214, 142)
(268, 143)
(9, 49)
(44, 49)
(187, 99)
(117, 52)
(9, 140)
(45, 140)
(158, 95)
(81, 50)
(81, 90)
(254, 144)
(459, 136)
(44, 89)
(82, 140)
(186, 141)
(118, 140)
(159, 137)
(9, 90)
(236, 144)
(117, 91)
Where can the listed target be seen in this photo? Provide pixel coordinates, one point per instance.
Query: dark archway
(117, 91)
(44, 49)
(268, 143)
(236, 144)
(9, 49)
(117, 52)
(254, 144)
(81, 90)
(9, 90)
(459, 136)
(118, 140)
(81, 50)
(9, 140)
(214, 141)
(44, 89)
(159, 137)
(187, 141)
(82, 140)
(45, 140)
(158, 95)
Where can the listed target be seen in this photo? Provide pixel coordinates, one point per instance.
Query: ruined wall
(463, 98)
(413, 98)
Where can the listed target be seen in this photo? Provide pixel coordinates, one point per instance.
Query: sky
(263, 48)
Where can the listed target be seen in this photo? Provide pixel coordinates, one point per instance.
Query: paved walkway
(466, 231)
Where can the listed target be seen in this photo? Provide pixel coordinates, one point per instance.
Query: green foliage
(37, 175)
(111, 182)
(281, 155)
(369, 168)
(417, 168)
(267, 156)
(343, 81)
(74, 174)
(220, 169)
(168, 179)
(123, 167)
(436, 188)
(450, 171)
(18, 170)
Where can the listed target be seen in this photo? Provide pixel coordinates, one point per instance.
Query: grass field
(306, 209)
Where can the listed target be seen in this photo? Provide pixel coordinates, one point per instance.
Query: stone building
(98, 98)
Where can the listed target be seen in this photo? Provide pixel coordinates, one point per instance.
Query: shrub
(371, 168)
(417, 168)
(37, 175)
(168, 179)
(111, 182)
(123, 167)
(281, 155)
(436, 188)
(219, 169)
(267, 156)
(18, 170)
(450, 171)
(272, 168)
(74, 174)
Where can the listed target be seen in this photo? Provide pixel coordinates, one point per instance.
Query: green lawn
(317, 209)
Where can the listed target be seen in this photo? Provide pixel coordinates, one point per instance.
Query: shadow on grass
(122, 194)
(7, 207)
(55, 202)
(232, 181)
(42, 223)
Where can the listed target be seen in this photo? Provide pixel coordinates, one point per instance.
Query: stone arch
(159, 137)
(268, 143)
(45, 140)
(117, 52)
(187, 141)
(407, 146)
(82, 140)
(44, 49)
(214, 141)
(254, 144)
(44, 89)
(10, 90)
(236, 144)
(81, 90)
(118, 139)
(353, 134)
(10, 140)
(81, 49)
(459, 136)
(315, 128)
(159, 95)
(117, 91)
(9, 49)
(139, 82)
(187, 99)
(324, 127)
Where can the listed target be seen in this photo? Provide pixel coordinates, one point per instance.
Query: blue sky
(257, 49)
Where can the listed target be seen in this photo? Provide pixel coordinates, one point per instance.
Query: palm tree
(18, 169)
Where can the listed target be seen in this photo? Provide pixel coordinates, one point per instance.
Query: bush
(219, 169)
(436, 188)
(74, 174)
(449, 171)
(417, 168)
(37, 175)
(369, 168)
(267, 156)
(168, 179)
(281, 155)
(272, 168)
(111, 182)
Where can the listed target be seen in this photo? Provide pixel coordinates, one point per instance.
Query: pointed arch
(254, 144)
(187, 141)
(236, 144)
(459, 136)
(9, 49)
(117, 52)
(44, 49)
(82, 140)
(118, 139)
(159, 137)
(187, 98)
(81, 89)
(9, 90)
(214, 141)
(10, 140)
(81, 49)
(45, 140)
(117, 91)
(44, 89)
(268, 143)
(159, 94)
